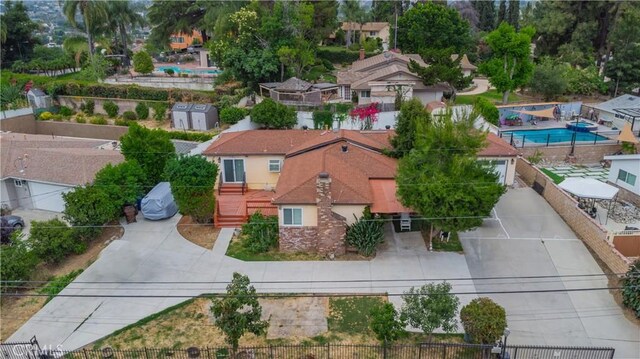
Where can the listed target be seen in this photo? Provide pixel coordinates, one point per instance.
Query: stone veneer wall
(331, 226)
(582, 153)
(298, 239)
(587, 229)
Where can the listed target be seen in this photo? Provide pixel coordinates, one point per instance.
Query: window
(18, 183)
(292, 216)
(274, 165)
(627, 177)
(373, 33)
(365, 94)
(347, 92)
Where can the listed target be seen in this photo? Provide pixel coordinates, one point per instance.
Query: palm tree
(353, 12)
(123, 16)
(94, 15)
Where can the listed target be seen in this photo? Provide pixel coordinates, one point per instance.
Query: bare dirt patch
(15, 311)
(203, 235)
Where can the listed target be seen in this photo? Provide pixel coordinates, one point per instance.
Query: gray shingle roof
(620, 102)
(294, 84)
(184, 147)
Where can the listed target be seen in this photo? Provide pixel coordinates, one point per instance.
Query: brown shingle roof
(497, 147)
(63, 160)
(464, 62)
(349, 171)
(387, 56)
(294, 84)
(259, 142)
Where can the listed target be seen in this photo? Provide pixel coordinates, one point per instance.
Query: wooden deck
(233, 209)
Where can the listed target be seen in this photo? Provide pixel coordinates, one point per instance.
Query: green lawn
(556, 178)
(452, 245)
(238, 251)
(351, 315)
(491, 95)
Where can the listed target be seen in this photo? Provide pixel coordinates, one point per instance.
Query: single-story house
(38, 169)
(295, 91)
(315, 181)
(380, 78)
(624, 172)
(618, 111)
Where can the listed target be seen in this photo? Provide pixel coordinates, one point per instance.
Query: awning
(384, 197)
(547, 113)
(588, 188)
(626, 135)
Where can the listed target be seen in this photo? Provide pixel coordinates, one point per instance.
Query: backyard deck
(233, 209)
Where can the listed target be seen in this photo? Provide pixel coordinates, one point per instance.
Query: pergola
(630, 114)
(590, 190)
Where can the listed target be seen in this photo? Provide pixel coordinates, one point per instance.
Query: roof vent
(345, 148)
(323, 175)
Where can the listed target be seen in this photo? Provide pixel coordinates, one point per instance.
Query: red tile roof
(497, 147)
(259, 142)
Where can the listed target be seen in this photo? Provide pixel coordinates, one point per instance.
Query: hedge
(191, 136)
(488, 110)
(339, 55)
(129, 92)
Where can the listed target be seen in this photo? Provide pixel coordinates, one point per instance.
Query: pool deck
(547, 125)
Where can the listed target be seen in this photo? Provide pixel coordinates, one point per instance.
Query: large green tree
(624, 68)
(123, 182)
(549, 80)
(433, 26)
(412, 114)
(502, 12)
(94, 14)
(486, 14)
(430, 307)
(150, 148)
(271, 114)
(441, 178)
(510, 65)
(239, 311)
(442, 68)
(17, 33)
(171, 17)
(192, 179)
(325, 18)
(123, 17)
(513, 15)
(352, 11)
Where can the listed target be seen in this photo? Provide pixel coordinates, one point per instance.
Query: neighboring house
(315, 181)
(38, 169)
(299, 92)
(181, 41)
(369, 30)
(618, 111)
(382, 77)
(624, 172)
(502, 157)
(467, 67)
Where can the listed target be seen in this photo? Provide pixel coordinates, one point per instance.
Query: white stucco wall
(631, 165)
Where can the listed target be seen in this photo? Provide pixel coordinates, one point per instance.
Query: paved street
(527, 238)
(155, 252)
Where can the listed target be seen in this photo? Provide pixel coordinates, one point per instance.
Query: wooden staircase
(230, 209)
(231, 189)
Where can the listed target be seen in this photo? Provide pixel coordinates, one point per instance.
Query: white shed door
(501, 169)
(180, 120)
(48, 196)
(199, 122)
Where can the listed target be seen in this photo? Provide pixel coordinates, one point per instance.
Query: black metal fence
(538, 138)
(326, 351)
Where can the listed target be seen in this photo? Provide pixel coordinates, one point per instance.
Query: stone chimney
(361, 54)
(331, 226)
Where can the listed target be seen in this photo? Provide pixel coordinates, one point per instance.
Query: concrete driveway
(526, 237)
(29, 215)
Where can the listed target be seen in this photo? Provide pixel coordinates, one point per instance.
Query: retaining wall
(21, 123)
(582, 153)
(28, 124)
(74, 102)
(587, 229)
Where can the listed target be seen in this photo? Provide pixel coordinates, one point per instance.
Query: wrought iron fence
(540, 138)
(327, 351)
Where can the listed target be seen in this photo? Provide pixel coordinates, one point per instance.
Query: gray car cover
(159, 203)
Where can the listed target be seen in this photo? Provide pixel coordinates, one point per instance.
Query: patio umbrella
(626, 135)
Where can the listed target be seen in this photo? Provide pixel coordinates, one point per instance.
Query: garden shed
(38, 99)
(204, 117)
(180, 113)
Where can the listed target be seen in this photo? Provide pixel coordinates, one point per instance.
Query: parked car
(9, 224)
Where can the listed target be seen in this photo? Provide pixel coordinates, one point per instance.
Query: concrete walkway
(482, 86)
(152, 259)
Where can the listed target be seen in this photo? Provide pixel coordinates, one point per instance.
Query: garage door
(48, 196)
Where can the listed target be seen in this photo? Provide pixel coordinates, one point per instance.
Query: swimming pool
(552, 135)
(582, 126)
(179, 70)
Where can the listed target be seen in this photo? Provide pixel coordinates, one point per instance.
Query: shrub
(151, 148)
(18, 262)
(142, 110)
(65, 111)
(430, 307)
(488, 110)
(97, 120)
(631, 288)
(231, 115)
(129, 116)
(386, 323)
(57, 117)
(89, 208)
(46, 116)
(159, 111)
(192, 179)
(111, 108)
(365, 234)
(338, 55)
(120, 122)
(80, 118)
(190, 136)
(322, 119)
(53, 240)
(88, 107)
(142, 63)
(169, 72)
(271, 114)
(261, 233)
(57, 284)
(483, 320)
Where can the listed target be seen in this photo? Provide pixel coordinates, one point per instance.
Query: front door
(233, 169)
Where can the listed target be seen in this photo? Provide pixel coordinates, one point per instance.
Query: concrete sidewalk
(152, 252)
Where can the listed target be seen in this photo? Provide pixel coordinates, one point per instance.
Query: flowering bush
(366, 115)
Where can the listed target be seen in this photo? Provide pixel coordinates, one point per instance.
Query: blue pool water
(553, 135)
(179, 70)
